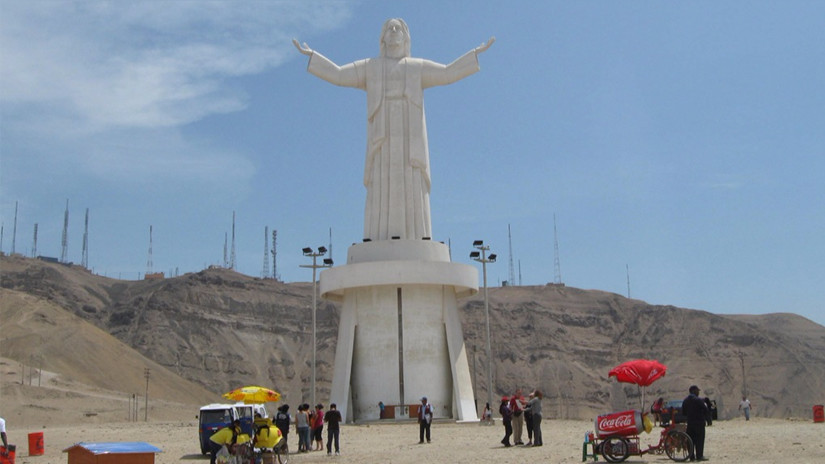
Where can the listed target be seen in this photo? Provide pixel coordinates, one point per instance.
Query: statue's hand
(484, 46)
(303, 49)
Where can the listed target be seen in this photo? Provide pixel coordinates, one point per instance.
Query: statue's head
(395, 29)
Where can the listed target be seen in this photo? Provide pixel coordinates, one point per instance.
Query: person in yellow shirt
(226, 436)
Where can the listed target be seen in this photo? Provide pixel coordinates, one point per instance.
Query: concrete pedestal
(400, 335)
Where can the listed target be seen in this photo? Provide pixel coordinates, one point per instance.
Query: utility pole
(744, 381)
(146, 396)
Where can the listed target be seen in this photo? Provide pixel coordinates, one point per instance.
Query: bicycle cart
(617, 438)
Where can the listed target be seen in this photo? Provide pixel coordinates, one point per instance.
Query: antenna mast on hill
(627, 268)
(512, 275)
(149, 263)
(225, 243)
(84, 260)
(232, 256)
(34, 245)
(275, 255)
(65, 240)
(14, 231)
(265, 271)
(556, 262)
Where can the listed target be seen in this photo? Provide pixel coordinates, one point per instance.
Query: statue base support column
(400, 336)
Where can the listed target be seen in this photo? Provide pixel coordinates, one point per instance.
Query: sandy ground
(736, 441)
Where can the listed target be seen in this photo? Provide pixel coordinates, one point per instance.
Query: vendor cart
(617, 437)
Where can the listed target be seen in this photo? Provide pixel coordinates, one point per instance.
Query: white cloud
(78, 76)
(144, 64)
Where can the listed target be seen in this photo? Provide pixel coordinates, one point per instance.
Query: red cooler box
(623, 424)
(7, 454)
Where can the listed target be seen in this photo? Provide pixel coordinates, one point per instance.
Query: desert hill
(215, 330)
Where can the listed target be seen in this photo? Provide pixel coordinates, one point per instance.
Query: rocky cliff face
(221, 329)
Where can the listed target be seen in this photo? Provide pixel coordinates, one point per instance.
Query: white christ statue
(397, 167)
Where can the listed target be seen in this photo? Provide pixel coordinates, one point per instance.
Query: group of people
(309, 426)
(518, 412)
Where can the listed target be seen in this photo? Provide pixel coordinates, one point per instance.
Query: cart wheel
(615, 449)
(282, 453)
(678, 445)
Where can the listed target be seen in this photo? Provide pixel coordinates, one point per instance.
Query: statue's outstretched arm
(305, 48)
(481, 48)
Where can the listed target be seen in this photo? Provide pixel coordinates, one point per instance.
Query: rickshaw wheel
(282, 453)
(678, 445)
(615, 449)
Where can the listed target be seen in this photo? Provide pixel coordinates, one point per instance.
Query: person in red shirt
(517, 406)
(318, 427)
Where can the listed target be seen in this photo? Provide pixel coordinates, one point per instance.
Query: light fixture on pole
(327, 263)
(481, 257)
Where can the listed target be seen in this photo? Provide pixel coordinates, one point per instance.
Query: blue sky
(682, 141)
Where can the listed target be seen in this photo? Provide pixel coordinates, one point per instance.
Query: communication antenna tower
(149, 263)
(275, 255)
(265, 272)
(84, 260)
(225, 244)
(556, 263)
(34, 245)
(512, 276)
(519, 273)
(2, 230)
(14, 231)
(65, 241)
(627, 268)
(232, 256)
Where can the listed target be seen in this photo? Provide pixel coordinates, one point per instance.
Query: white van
(214, 417)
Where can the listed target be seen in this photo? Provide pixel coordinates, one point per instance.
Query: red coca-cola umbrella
(641, 372)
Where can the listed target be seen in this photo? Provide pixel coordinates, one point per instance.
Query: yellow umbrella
(253, 395)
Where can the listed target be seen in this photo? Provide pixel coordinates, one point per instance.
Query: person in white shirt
(3, 432)
(745, 405)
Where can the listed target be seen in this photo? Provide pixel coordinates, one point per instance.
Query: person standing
(318, 427)
(745, 406)
(517, 406)
(506, 419)
(282, 421)
(656, 409)
(696, 412)
(333, 420)
(534, 409)
(528, 420)
(425, 419)
(302, 428)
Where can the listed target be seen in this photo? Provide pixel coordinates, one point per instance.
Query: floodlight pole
(327, 263)
(484, 260)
